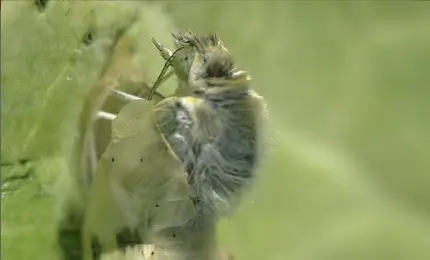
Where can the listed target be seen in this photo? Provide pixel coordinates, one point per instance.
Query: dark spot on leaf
(69, 241)
(41, 4)
(128, 238)
(20, 161)
(152, 253)
(157, 205)
(113, 159)
(174, 235)
(96, 248)
(23, 161)
(141, 159)
(88, 38)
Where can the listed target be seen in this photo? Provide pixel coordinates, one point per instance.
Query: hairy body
(215, 126)
(218, 138)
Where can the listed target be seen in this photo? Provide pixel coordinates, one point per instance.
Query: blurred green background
(348, 89)
(347, 175)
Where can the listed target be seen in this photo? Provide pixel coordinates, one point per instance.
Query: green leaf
(59, 61)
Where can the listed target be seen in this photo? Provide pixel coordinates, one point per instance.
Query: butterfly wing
(137, 172)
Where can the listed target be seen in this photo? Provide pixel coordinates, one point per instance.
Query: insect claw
(93, 154)
(105, 115)
(124, 96)
(164, 52)
(240, 78)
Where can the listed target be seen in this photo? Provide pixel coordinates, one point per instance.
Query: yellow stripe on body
(190, 104)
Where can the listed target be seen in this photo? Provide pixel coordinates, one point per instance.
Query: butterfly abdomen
(226, 153)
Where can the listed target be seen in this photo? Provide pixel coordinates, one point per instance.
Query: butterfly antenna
(162, 73)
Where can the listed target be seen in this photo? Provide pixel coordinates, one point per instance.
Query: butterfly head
(213, 69)
(203, 62)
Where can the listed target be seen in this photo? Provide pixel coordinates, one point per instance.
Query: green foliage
(58, 63)
(347, 89)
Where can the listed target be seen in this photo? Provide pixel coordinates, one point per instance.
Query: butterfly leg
(93, 153)
(164, 52)
(106, 116)
(125, 97)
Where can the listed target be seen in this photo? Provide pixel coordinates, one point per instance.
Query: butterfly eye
(218, 69)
